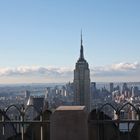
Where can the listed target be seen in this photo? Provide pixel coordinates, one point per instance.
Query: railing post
(41, 128)
(128, 131)
(22, 120)
(118, 122)
(3, 127)
(98, 124)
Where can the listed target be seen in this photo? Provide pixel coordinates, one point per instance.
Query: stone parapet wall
(69, 123)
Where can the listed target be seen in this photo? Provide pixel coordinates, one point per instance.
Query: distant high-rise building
(27, 94)
(38, 103)
(82, 81)
(111, 87)
(93, 90)
(124, 87)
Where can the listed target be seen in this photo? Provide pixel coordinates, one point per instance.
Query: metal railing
(103, 127)
(114, 130)
(23, 128)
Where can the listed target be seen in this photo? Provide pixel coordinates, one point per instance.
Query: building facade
(82, 81)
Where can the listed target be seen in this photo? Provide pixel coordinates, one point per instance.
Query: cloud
(35, 70)
(124, 70)
(125, 66)
(119, 69)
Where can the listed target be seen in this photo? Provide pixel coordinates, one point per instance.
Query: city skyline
(40, 41)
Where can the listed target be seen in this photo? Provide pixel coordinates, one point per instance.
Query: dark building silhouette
(94, 93)
(82, 80)
(111, 87)
(27, 94)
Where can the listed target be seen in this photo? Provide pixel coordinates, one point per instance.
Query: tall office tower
(111, 87)
(27, 94)
(93, 90)
(82, 81)
(124, 87)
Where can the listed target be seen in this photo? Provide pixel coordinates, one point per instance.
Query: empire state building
(82, 81)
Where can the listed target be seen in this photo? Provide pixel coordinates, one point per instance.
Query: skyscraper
(111, 87)
(82, 81)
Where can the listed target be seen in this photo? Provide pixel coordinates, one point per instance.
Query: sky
(40, 40)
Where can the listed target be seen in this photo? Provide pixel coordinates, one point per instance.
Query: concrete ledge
(68, 108)
(69, 123)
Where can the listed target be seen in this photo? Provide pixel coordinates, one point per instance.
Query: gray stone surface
(69, 123)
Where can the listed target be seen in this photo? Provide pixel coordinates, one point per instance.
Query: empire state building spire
(82, 81)
(82, 49)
